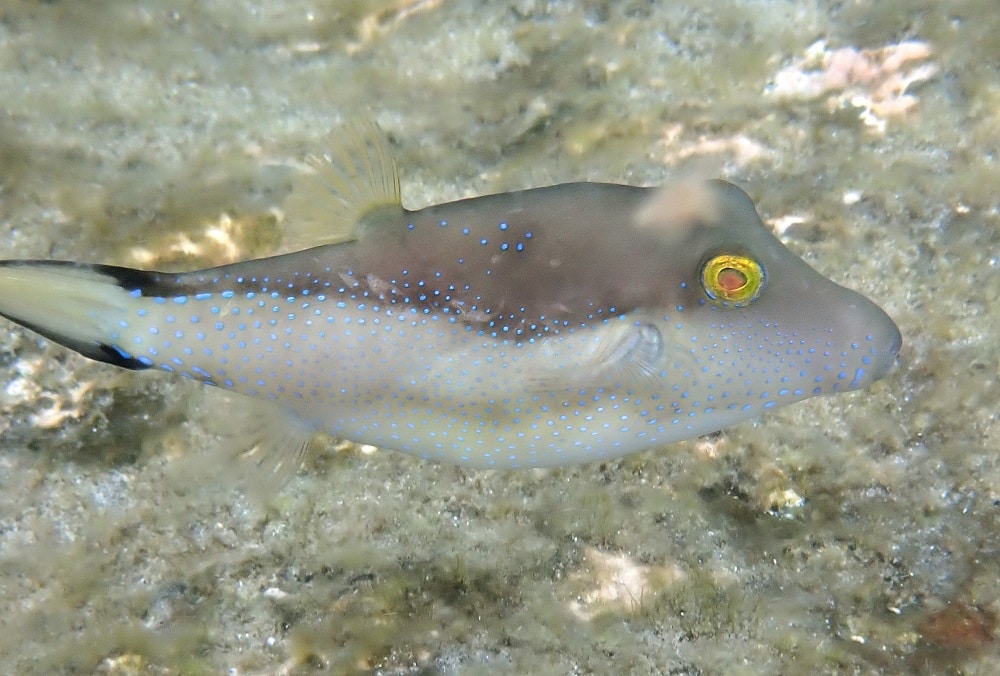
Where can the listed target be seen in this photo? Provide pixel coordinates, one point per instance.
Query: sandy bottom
(848, 534)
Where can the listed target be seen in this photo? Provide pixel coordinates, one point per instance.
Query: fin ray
(262, 443)
(354, 178)
(631, 355)
(73, 304)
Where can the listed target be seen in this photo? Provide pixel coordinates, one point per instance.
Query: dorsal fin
(354, 178)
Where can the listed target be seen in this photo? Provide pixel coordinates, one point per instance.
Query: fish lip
(891, 354)
(897, 345)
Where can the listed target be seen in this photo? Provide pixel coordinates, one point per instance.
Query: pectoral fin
(629, 355)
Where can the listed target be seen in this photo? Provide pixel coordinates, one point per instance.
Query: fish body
(543, 327)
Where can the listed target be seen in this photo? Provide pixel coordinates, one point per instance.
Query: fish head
(756, 325)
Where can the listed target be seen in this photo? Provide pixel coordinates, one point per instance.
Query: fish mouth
(893, 352)
(885, 359)
(897, 343)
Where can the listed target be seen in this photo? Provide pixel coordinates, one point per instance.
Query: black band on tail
(109, 354)
(145, 283)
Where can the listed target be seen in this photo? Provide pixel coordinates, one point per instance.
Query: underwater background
(857, 533)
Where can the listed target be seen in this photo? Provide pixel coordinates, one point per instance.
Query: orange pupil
(731, 279)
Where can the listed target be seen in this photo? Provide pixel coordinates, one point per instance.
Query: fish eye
(733, 279)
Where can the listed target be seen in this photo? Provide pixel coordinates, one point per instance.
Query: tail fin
(76, 305)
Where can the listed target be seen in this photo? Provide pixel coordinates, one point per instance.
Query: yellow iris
(732, 279)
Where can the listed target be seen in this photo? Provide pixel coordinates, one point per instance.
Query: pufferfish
(564, 324)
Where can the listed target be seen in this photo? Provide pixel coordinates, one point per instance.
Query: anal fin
(262, 443)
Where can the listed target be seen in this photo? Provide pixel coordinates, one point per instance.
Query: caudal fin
(76, 305)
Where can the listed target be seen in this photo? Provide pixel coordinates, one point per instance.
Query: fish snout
(887, 344)
(876, 340)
